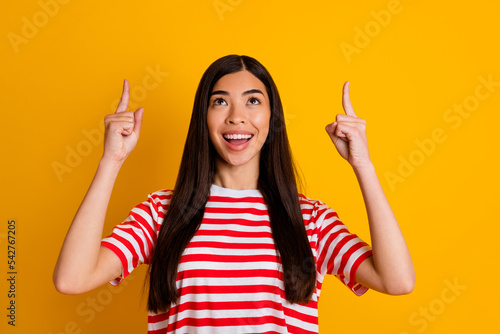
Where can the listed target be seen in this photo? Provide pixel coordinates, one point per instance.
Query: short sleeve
(134, 239)
(339, 252)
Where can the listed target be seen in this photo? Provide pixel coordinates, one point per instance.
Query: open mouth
(237, 139)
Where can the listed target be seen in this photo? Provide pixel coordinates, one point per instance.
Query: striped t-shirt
(229, 276)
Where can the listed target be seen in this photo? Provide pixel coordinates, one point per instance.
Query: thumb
(330, 129)
(138, 120)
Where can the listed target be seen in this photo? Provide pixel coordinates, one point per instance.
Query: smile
(237, 141)
(236, 136)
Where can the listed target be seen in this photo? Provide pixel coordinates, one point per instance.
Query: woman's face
(238, 118)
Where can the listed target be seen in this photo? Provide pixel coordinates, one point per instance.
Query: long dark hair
(277, 183)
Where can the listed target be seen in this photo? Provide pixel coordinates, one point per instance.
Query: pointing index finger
(346, 101)
(123, 104)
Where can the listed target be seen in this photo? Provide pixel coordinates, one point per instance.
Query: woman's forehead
(239, 81)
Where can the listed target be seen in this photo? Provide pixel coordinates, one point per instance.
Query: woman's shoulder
(159, 200)
(315, 208)
(162, 194)
(307, 201)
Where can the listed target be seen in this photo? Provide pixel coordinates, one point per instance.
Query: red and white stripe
(229, 277)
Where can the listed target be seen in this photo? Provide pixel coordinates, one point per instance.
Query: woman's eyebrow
(223, 92)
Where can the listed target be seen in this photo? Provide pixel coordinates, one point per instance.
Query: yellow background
(59, 80)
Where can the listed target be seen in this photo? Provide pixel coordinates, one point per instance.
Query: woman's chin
(238, 161)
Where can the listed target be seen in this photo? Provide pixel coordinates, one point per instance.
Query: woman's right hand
(122, 129)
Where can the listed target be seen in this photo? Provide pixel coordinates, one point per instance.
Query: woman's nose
(236, 115)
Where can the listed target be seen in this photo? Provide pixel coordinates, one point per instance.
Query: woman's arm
(390, 269)
(82, 264)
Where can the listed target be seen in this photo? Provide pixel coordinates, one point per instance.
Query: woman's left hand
(348, 134)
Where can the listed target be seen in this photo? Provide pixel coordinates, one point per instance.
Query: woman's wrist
(109, 167)
(364, 169)
(110, 163)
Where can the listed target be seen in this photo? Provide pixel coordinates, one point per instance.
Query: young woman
(234, 248)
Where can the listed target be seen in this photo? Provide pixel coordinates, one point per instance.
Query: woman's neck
(236, 177)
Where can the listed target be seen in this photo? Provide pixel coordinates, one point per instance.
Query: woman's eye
(219, 101)
(253, 100)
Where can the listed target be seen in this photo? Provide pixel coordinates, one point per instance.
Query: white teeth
(237, 136)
